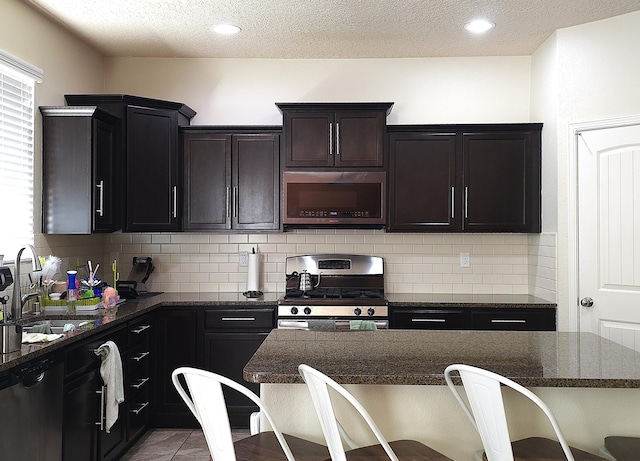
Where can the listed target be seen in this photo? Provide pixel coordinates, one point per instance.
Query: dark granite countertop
(456, 300)
(419, 357)
(99, 322)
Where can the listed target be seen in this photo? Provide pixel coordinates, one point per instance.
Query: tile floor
(173, 445)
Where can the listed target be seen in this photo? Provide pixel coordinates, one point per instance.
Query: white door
(609, 233)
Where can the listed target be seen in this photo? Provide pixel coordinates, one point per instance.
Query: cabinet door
(256, 181)
(207, 181)
(80, 414)
(105, 212)
(501, 182)
(152, 170)
(359, 139)
(308, 139)
(227, 354)
(422, 178)
(177, 345)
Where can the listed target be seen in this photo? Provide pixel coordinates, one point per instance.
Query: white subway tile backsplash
(414, 263)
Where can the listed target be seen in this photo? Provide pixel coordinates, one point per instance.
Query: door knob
(586, 302)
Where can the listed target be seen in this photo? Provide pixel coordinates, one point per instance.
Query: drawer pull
(137, 358)
(238, 319)
(430, 320)
(508, 321)
(141, 383)
(139, 330)
(142, 407)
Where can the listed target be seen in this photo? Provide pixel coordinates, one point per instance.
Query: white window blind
(17, 85)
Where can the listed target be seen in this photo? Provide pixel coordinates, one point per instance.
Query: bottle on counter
(72, 291)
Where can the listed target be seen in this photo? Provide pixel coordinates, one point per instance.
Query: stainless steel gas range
(333, 292)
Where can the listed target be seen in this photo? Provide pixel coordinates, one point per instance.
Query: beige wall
(69, 66)
(592, 71)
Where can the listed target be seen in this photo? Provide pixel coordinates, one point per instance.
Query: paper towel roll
(253, 272)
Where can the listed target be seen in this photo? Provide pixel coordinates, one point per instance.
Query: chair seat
(265, 446)
(623, 448)
(541, 449)
(404, 450)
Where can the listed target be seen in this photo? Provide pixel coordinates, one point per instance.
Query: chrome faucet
(18, 300)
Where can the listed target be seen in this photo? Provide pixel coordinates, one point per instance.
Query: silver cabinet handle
(141, 383)
(175, 201)
(453, 202)
(337, 138)
(142, 407)
(235, 202)
(331, 138)
(228, 202)
(100, 209)
(137, 358)
(429, 320)
(238, 319)
(102, 392)
(508, 321)
(137, 331)
(466, 201)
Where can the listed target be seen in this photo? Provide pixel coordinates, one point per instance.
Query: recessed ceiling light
(477, 26)
(226, 29)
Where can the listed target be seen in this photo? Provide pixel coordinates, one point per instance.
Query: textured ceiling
(322, 28)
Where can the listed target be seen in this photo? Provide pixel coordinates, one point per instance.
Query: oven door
(333, 324)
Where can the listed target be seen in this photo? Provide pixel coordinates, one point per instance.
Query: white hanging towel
(111, 372)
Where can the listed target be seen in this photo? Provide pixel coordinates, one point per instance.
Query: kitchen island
(591, 384)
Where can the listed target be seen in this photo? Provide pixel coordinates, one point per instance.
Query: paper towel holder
(255, 293)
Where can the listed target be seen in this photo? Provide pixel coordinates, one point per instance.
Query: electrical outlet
(465, 261)
(244, 259)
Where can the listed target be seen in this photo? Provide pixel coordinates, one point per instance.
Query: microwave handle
(337, 138)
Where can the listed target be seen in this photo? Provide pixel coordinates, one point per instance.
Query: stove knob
(371, 311)
(307, 310)
(294, 310)
(357, 311)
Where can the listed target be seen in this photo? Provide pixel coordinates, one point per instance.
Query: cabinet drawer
(140, 331)
(525, 319)
(240, 319)
(428, 319)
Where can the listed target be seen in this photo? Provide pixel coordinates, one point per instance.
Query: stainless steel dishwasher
(31, 411)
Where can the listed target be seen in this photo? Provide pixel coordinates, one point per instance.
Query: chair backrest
(318, 384)
(206, 401)
(487, 412)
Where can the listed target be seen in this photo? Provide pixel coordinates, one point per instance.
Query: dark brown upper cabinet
(150, 167)
(465, 178)
(422, 182)
(79, 170)
(231, 178)
(334, 135)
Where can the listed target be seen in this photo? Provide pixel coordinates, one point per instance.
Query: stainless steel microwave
(334, 199)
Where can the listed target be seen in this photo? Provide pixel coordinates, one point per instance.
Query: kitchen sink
(57, 326)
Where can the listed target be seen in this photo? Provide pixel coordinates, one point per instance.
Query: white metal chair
(487, 414)
(205, 399)
(318, 384)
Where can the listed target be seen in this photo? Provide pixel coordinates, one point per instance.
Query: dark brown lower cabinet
(84, 437)
(221, 340)
(176, 346)
(489, 318)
